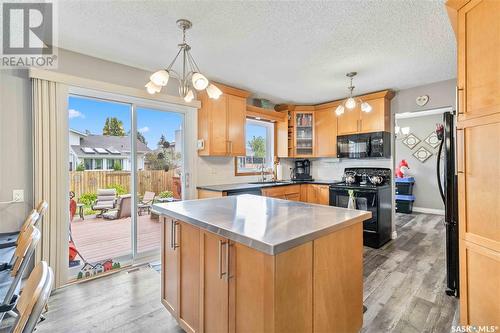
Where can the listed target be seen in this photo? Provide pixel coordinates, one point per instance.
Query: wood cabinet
(316, 193)
(478, 147)
(180, 292)
(221, 286)
(325, 128)
(378, 120)
(289, 192)
(303, 131)
(222, 123)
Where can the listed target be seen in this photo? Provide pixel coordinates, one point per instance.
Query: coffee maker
(302, 170)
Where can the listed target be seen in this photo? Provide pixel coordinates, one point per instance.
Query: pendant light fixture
(190, 79)
(351, 102)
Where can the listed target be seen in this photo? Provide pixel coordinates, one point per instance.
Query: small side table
(80, 206)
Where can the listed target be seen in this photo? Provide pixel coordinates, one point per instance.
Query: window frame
(270, 147)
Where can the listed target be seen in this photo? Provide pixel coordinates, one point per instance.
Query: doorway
(125, 154)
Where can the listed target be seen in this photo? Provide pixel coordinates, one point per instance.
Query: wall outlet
(18, 195)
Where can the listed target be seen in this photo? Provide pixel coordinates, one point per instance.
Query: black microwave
(366, 145)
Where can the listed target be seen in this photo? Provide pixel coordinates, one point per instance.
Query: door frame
(189, 138)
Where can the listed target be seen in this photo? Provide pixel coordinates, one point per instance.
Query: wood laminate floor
(403, 290)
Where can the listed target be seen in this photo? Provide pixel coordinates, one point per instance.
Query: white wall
(426, 190)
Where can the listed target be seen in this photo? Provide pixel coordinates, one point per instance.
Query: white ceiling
(293, 52)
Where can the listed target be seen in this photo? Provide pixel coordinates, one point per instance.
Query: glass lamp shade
(339, 110)
(152, 88)
(405, 130)
(189, 96)
(200, 82)
(213, 92)
(350, 103)
(160, 78)
(365, 107)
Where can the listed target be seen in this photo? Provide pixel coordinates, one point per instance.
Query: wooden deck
(98, 239)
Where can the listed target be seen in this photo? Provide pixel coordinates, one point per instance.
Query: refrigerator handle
(438, 169)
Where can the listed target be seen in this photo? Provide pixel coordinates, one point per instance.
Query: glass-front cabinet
(304, 134)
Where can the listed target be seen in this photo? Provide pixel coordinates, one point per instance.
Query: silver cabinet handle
(226, 273)
(219, 261)
(173, 234)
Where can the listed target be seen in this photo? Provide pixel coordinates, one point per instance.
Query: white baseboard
(428, 210)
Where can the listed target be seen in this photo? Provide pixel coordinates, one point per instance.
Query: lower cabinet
(316, 193)
(311, 193)
(213, 285)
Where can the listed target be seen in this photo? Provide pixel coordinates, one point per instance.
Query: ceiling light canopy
(190, 79)
(351, 102)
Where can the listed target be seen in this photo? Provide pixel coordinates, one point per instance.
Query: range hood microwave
(366, 145)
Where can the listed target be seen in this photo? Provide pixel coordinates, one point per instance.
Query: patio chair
(34, 298)
(106, 200)
(10, 281)
(146, 202)
(123, 210)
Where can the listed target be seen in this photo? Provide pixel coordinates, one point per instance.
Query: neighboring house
(101, 152)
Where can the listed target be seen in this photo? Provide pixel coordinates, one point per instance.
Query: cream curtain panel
(50, 168)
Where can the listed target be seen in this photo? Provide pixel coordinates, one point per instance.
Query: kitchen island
(257, 264)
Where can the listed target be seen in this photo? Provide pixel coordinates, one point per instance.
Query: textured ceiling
(286, 51)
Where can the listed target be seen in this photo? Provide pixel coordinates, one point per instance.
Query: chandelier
(351, 102)
(190, 77)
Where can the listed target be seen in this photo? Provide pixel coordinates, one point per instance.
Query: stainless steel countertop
(266, 224)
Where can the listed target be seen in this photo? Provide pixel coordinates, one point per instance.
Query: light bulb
(340, 110)
(160, 78)
(213, 92)
(350, 103)
(152, 88)
(405, 130)
(200, 82)
(365, 107)
(189, 96)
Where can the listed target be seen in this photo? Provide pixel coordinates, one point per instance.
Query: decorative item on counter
(422, 154)
(351, 204)
(433, 139)
(263, 103)
(411, 141)
(402, 169)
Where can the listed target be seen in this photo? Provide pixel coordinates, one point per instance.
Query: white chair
(10, 280)
(34, 298)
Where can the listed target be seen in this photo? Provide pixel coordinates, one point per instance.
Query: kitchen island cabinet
(258, 264)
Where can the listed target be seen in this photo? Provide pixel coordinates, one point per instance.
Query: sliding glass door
(124, 155)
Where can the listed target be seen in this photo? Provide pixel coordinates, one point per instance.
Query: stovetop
(358, 185)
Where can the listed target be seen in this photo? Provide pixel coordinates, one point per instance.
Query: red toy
(402, 169)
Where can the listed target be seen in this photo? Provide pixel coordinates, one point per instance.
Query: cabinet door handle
(219, 261)
(460, 151)
(172, 234)
(226, 273)
(458, 99)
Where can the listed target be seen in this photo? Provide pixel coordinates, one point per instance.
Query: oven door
(366, 199)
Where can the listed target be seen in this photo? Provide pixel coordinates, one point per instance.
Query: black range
(370, 197)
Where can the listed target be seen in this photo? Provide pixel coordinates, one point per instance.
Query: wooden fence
(148, 180)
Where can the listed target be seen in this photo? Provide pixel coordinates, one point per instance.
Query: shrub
(80, 167)
(117, 166)
(120, 190)
(166, 194)
(88, 198)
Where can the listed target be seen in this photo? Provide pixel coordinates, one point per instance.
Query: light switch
(18, 195)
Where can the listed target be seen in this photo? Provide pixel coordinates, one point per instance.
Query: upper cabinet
(325, 124)
(303, 132)
(221, 123)
(378, 120)
(478, 59)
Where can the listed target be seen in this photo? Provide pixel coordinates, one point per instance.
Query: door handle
(460, 151)
(173, 232)
(458, 99)
(219, 261)
(227, 262)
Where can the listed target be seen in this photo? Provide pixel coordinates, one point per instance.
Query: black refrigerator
(448, 187)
